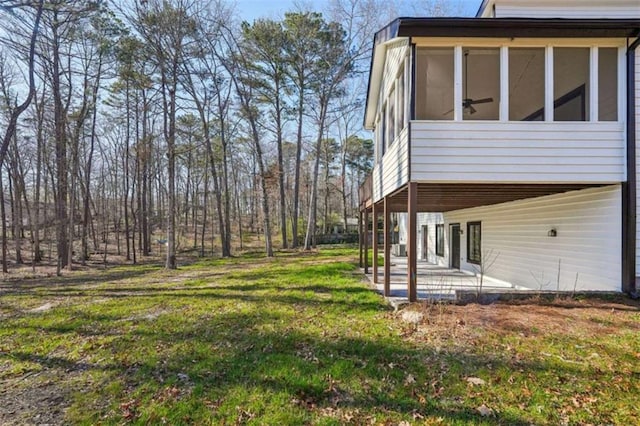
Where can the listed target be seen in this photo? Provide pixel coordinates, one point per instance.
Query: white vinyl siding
(588, 224)
(393, 171)
(595, 9)
(517, 152)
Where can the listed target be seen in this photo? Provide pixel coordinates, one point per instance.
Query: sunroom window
(526, 84)
(383, 131)
(391, 117)
(481, 84)
(577, 83)
(434, 84)
(401, 106)
(571, 89)
(607, 84)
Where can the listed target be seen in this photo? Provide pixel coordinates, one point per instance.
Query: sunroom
(502, 110)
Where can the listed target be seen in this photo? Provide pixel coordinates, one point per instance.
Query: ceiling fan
(467, 102)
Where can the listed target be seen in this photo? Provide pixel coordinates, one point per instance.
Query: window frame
(419, 81)
(383, 131)
(440, 239)
(401, 100)
(580, 92)
(466, 50)
(471, 257)
(600, 87)
(511, 55)
(391, 116)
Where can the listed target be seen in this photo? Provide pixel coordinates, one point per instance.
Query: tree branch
(15, 114)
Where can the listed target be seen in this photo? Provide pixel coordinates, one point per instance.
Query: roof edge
(516, 27)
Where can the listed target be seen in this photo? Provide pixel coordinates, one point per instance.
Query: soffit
(443, 197)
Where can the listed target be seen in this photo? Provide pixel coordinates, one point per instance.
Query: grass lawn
(301, 339)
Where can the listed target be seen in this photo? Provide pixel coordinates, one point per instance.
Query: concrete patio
(433, 282)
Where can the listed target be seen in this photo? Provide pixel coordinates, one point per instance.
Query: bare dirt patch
(34, 399)
(43, 308)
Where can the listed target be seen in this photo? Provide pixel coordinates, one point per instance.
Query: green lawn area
(301, 339)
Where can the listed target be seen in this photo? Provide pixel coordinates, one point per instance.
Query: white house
(509, 140)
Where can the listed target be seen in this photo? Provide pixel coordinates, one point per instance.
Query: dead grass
(587, 317)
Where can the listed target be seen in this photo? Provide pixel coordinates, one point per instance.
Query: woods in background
(131, 126)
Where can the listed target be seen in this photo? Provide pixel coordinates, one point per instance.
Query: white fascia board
(525, 8)
(485, 9)
(375, 80)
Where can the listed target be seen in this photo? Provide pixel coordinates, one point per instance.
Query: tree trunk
(205, 207)
(37, 256)
(239, 212)
(86, 215)
(125, 192)
(325, 226)
(226, 249)
(296, 180)
(145, 181)
(283, 205)
(265, 201)
(16, 204)
(133, 227)
(343, 182)
(187, 190)
(61, 155)
(309, 240)
(194, 212)
(3, 213)
(171, 169)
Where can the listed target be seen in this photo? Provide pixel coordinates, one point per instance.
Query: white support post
(548, 84)
(504, 83)
(622, 85)
(457, 83)
(407, 90)
(593, 84)
(622, 99)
